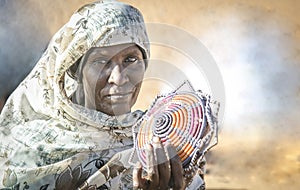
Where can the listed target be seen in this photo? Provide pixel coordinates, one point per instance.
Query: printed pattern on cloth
(48, 142)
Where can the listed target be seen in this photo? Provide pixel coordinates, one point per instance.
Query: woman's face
(112, 78)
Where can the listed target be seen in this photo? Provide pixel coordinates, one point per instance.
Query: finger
(152, 169)
(177, 178)
(163, 164)
(138, 180)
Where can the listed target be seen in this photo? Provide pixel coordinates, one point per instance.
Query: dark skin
(112, 78)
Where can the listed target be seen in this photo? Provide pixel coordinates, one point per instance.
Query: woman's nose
(118, 76)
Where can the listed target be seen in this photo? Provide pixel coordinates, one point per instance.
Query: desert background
(255, 45)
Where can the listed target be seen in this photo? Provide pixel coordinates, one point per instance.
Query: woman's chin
(116, 109)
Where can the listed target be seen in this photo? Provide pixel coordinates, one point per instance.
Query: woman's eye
(100, 62)
(130, 60)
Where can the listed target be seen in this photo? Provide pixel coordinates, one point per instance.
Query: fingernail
(138, 165)
(156, 139)
(135, 184)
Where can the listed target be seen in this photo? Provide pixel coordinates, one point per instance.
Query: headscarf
(49, 142)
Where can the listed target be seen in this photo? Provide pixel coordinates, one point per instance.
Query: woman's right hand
(164, 169)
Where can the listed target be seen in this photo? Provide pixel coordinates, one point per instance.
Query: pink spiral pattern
(177, 118)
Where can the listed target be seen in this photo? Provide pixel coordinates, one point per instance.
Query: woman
(72, 113)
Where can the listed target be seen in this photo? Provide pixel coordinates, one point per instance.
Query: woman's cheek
(137, 74)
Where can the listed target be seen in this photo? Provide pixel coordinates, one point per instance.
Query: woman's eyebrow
(133, 51)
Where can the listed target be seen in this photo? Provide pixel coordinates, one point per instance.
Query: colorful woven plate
(180, 118)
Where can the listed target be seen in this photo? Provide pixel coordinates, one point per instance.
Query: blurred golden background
(255, 44)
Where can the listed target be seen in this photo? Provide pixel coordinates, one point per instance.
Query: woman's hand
(164, 169)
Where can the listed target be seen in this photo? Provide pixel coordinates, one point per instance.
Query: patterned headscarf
(48, 142)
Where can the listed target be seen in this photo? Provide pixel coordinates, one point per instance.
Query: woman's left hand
(164, 169)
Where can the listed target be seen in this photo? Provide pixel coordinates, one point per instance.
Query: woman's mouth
(119, 97)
